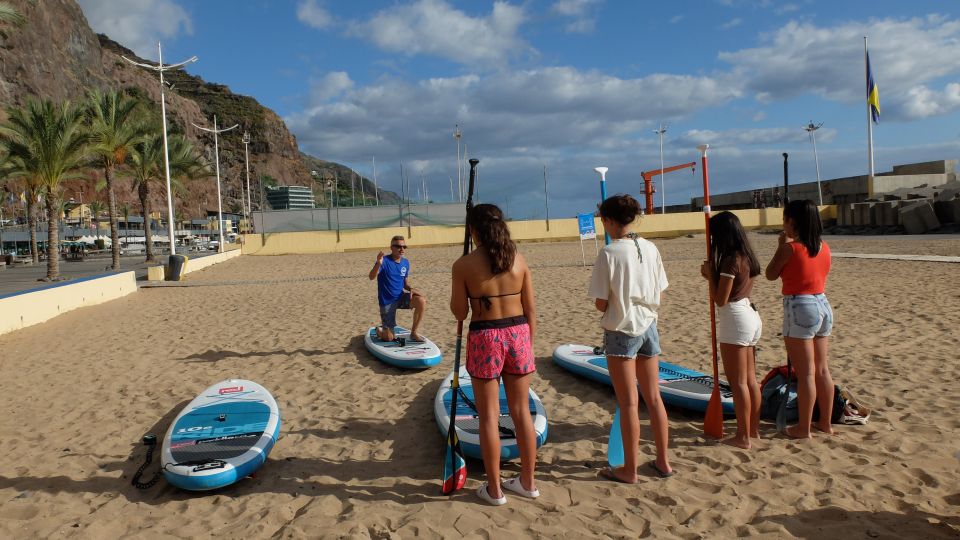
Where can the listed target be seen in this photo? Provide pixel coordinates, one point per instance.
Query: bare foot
(739, 443)
(794, 433)
(416, 337)
(618, 475)
(828, 431)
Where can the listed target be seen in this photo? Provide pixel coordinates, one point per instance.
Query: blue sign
(587, 228)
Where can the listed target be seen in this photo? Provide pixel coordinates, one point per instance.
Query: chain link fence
(363, 217)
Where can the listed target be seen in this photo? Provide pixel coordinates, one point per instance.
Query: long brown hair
(486, 222)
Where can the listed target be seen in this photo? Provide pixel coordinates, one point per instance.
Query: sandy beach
(359, 455)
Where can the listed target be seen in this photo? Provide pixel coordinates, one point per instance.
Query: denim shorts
(806, 316)
(388, 312)
(627, 346)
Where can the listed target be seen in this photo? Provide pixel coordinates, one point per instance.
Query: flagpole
(866, 70)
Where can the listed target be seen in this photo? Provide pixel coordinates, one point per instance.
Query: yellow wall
(654, 226)
(36, 307)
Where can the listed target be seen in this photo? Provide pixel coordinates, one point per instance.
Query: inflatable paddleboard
(468, 424)
(221, 436)
(679, 386)
(411, 355)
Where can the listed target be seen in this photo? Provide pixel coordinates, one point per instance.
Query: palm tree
(47, 146)
(147, 164)
(125, 208)
(115, 126)
(96, 208)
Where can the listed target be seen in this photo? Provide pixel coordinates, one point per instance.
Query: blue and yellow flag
(873, 95)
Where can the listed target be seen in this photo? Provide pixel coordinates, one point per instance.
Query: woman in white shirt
(627, 281)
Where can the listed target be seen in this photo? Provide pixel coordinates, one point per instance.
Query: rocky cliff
(56, 55)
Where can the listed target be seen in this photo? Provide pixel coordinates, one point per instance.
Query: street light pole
(663, 188)
(246, 160)
(456, 135)
(216, 153)
(160, 68)
(546, 203)
(812, 131)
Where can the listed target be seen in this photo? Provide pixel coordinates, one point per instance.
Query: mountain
(56, 55)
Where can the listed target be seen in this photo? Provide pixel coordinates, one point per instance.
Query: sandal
(516, 486)
(660, 472)
(485, 495)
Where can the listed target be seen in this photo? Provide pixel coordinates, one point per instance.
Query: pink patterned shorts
(500, 346)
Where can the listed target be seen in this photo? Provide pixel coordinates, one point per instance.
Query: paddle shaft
(713, 424)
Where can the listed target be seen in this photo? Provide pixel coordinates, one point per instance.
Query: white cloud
(759, 116)
(581, 11)
(313, 14)
(329, 87)
(922, 102)
(801, 58)
(732, 23)
(752, 137)
(572, 8)
(675, 19)
(139, 24)
(434, 27)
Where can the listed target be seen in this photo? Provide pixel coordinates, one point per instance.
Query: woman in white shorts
(731, 277)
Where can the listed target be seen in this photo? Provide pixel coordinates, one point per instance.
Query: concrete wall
(655, 226)
(159, 272)
(35, 306)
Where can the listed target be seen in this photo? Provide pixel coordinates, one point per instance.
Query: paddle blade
(615, 445)
(454, 466)
(782, 409)
(713, 422)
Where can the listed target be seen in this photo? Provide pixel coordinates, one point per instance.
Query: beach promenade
(359, 453)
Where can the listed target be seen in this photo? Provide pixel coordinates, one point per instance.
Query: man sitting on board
(395, 292)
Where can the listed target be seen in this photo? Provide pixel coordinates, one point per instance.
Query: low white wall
(199, 264)
(27, 308)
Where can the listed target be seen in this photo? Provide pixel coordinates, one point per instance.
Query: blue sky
(573, 84)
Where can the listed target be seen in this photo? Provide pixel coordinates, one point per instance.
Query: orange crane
(648, 181)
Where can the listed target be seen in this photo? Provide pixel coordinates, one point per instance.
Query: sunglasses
(398, 246)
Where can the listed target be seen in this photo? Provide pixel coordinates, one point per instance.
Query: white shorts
(738, 324)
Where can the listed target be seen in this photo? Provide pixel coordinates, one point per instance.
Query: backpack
(775, 387)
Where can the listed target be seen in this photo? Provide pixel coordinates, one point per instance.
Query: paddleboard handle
(150, 439)
(222, 418)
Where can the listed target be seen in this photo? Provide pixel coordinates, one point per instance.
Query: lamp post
(216, 153)
(546, 202)
(456, 135)
(603, 195)
(160, 68)
(376, 190)
(663, 188)
(811, 129)
(246, 160)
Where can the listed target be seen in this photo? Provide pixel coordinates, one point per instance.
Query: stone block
(156, 273)
(947, 211)
(861, 214)
(918, 218)
(886, 214)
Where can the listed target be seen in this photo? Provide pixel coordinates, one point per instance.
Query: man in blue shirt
(395, 292)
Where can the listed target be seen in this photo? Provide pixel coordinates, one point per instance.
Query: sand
(359, 454)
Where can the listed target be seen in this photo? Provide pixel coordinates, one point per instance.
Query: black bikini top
(485, 300)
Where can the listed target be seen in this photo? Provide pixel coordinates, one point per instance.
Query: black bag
(774, 387)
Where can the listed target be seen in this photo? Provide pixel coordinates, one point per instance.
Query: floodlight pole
(216, 157)
(663, 189)
(246, 159)
(160, 68)
(376, 189)
(812, 131)
(456, 135)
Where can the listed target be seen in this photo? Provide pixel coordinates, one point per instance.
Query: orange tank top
(804, 274)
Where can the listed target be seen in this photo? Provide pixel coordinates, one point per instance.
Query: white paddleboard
(409, 355)
(221, 436)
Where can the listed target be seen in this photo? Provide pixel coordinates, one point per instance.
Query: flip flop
(607, 474)
(659, 471)
(483, 494)
(516, 486)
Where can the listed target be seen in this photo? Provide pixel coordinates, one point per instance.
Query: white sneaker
(483, 494)
(515, 485)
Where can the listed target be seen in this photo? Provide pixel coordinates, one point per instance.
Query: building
(840, 191)
(290, 198)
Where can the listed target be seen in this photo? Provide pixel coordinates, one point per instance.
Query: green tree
(47, 145)
(10, 14)
(96, 209)
(115, 125)
(147, 165)
(125, 208)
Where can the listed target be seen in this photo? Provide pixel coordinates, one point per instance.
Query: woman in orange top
(802, 262)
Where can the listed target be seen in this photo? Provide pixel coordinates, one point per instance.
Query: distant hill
(335, 171)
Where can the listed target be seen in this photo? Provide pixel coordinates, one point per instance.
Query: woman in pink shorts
(493, 282)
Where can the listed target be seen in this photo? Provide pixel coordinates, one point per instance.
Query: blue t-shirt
(390, 280)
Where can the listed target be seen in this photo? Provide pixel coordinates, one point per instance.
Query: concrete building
(841, 191)
(290, 198)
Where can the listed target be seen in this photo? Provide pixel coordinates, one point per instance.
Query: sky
(569, 85)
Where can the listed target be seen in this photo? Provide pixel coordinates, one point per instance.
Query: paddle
(782, 409)
(615, 446)
(713, 422)
(454, 464)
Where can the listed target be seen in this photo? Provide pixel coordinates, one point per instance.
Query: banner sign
(587, 229)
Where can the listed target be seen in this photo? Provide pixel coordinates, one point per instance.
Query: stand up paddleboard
(679, 386)
(468, 424)
(409, 355)
(221, 436)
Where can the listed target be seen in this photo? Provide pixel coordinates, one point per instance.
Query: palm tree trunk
(53, 240)
(144, 192)
(32, 225)
(114, 228)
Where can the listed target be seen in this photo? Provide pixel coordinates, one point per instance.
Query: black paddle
(454, 464)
